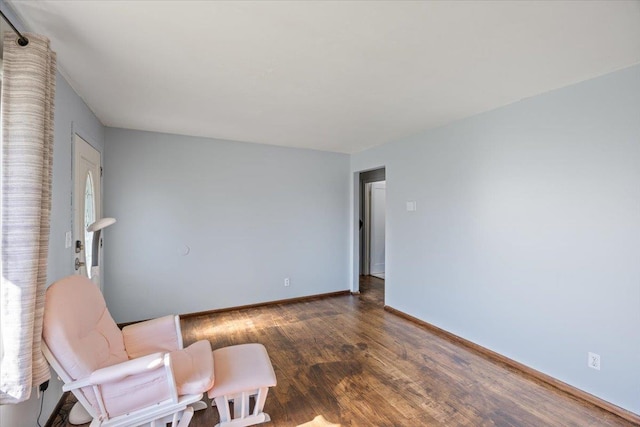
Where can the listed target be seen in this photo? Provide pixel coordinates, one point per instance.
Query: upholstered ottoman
(241, 371)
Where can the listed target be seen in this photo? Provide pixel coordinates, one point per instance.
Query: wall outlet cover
(593, 361)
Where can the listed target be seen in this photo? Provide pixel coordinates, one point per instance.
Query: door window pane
(89, 218)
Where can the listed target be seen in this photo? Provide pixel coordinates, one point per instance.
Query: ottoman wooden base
(241, 371)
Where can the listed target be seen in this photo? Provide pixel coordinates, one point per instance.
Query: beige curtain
(27, 152)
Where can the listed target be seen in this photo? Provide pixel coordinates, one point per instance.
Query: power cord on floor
(40, 413)
(43, 388)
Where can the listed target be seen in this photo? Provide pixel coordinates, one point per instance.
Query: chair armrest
(161, 334)
(119, 371)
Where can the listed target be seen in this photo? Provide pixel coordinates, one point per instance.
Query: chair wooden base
(78, 415)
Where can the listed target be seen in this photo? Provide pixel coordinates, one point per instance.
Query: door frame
(360, 177)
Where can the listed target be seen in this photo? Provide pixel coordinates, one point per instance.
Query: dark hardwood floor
(349, 360)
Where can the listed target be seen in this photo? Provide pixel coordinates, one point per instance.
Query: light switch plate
(411, 206)
(68, 239)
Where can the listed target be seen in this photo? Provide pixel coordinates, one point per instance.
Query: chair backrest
(78, 329)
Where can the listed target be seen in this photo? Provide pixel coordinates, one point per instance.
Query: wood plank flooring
(349, 360)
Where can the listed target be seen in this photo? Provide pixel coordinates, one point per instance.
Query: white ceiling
(337, 76)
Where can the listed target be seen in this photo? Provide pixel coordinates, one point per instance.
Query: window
(89, 218)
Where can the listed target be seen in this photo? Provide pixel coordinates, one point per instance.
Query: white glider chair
(138, 376)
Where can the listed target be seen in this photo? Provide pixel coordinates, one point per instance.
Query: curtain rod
(22, 40)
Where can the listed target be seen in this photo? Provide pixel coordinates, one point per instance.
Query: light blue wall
(71, 114)
(527, 235)
(251, 215)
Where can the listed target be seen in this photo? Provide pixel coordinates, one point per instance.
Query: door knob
(79, 264)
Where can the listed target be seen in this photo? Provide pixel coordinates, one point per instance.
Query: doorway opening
(372, 233)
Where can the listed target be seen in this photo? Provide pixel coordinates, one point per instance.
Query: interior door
(366, 253)
(87, 206)
(378, 210)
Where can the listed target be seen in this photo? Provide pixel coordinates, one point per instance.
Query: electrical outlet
(593, 361)
(287, 282)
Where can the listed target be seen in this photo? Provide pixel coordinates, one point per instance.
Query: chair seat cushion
(193, 368)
